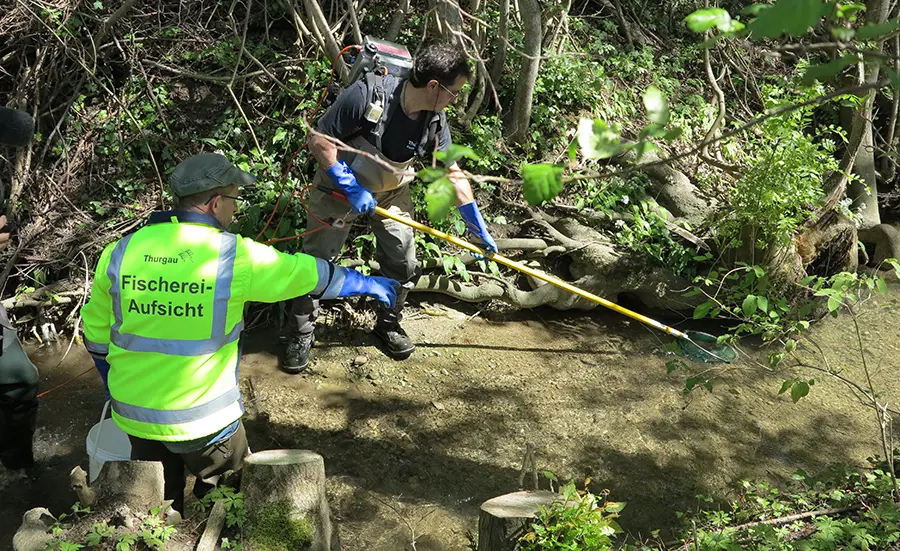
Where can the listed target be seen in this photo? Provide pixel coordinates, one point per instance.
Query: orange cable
(46, 392)
(290, 164)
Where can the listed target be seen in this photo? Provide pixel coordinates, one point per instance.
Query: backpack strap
(427, 143)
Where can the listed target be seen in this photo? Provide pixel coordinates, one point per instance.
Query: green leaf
(824, 71)
(843, 34)
(762, 303)
(454, 153)
(430, 174)
(705, 19)
(543, 182)
(790, 345)
(834, 303)
(439, 197)
(656, 105)
(673, 133)
(749, 306)
(877, 30)
(894, 77)
(754, 9)
(799, 390)
(881, 285)
(786, 386)
(702, 310)
(644, 147)
(598, 140)
(790, 17)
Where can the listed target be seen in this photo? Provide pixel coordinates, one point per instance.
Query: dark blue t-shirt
(401, 135)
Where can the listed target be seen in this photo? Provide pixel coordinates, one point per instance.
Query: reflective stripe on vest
(174, 417)
(177, 347)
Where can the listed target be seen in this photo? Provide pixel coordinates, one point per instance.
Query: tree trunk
(319, 25)
(397, 21)
(517, 127)
(291, 480)
(448, 19)
(864, 191)
(501, 47)
(354, 22)
(503, 520)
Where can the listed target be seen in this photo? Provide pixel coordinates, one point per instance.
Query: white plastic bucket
(106, 442)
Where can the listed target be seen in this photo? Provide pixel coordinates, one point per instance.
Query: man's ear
(215, 204)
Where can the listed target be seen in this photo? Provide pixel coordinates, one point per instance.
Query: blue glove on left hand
(477, 227)
(382, 288)
(360, 198)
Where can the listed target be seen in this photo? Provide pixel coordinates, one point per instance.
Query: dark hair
(441, 62)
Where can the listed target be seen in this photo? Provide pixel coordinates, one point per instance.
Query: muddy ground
(421, 443)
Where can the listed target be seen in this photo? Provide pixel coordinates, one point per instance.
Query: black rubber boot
(397, 342)
(387, 327)
(296, 355)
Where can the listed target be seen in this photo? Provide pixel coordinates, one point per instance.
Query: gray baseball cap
(204, 172)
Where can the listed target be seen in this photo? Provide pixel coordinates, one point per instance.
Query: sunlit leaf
(705, 19)
(454, 153)
(543, 182)
(598, 140)
(656, 105)
(439, 197)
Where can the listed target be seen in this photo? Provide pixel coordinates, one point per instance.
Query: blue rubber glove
(103, 367)
(476, 226)
(382, 288)
(360, 198)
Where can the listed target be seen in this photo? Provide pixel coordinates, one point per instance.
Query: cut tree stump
(503, 520)
(291, 480)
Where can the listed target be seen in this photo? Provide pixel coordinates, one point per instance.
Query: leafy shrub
(783, 183)
(580, 520)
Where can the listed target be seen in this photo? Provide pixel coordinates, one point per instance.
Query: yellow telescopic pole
(500, 259)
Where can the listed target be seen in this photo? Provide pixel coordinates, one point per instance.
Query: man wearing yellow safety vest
(389, 123)
(166, 313)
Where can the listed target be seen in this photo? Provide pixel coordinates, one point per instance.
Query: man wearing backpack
(394, 120)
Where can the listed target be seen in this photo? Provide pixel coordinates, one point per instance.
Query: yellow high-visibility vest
(166, 309)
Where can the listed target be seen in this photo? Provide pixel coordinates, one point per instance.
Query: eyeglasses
(239, 201)
(454, 95)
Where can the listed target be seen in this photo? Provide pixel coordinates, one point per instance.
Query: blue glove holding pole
(360, 198)
(381, 288)
(477, 227)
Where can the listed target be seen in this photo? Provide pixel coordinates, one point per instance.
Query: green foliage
(600, 140)
(579, 520)
(543, 182)
(439, 197)
(705, 19)
(152, 533)
(231, 499)
(783, 181)
(648, 235)
(273, 529)
(872, 521)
